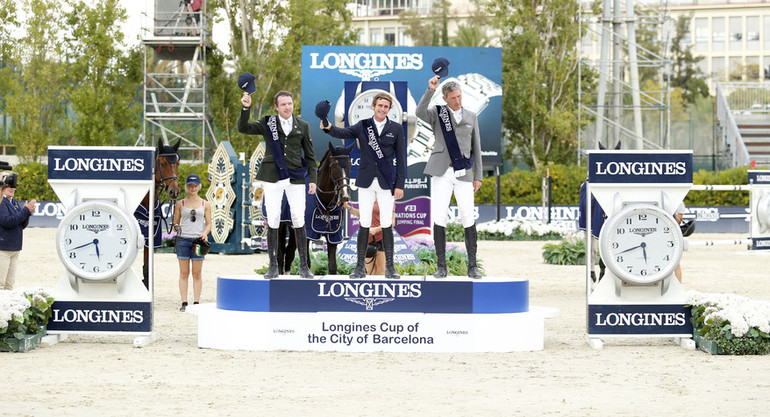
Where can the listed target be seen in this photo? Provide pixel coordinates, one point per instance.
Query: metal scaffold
(176, 39)
(625, 110)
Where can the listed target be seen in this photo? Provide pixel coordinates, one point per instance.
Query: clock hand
(644, 251)
(83, 246)
(96, 245)
(630, 249)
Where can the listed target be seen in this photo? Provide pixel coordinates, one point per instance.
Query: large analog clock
(641, 244)
(763, 213)
(361, 107)
(97, 240)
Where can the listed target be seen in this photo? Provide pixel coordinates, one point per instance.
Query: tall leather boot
(439, 239)
(387, 244)
(304, 262)
(470, 246)
(272, 252)
(361, 243)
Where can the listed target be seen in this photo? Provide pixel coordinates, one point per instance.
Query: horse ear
(331, 148)
(601, 146)
(350, 148)
(176, 145)
(617, 146)
(160, 144)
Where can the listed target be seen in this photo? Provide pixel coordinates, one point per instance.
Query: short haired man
(379, 139)
(283, 172)
(454, 166)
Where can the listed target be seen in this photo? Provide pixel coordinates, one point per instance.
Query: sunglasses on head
(192, 215)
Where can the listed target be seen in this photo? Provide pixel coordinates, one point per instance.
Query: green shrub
(33, 182)
(567, 252)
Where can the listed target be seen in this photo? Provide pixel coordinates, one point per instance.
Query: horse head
(334, 173)
(167, 168)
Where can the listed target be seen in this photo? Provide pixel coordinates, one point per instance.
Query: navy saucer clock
(98, 240)
(641, 244)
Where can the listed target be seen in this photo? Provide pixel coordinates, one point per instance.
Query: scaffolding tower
(623, 110)
(175, 40)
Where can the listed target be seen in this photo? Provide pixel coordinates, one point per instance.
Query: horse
(166, 172)
(324, 213)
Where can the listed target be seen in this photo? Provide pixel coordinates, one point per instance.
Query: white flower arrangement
(515, 228)
(23, 311)
(738, 324)
(12, 307)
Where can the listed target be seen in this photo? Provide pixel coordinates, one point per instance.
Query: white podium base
(370, 332)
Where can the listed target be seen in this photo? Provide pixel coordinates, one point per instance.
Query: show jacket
(391, 141)
(294, 144)
(14, 218)
(468, 138)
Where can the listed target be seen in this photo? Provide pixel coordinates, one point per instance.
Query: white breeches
(366, 199)
(273, 195)
(441, 194)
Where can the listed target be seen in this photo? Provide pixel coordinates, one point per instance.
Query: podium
(335, 313)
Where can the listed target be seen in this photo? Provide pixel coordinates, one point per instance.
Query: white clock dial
(763, 212)
(97, 240)
(361, 107)
(641, 244)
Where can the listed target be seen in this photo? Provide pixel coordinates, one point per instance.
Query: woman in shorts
(192, 220)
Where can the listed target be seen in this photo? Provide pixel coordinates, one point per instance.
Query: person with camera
(192, 221)
(14, 218)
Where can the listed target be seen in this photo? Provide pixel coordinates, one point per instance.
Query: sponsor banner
(639, 319)
(369, 332)
(100, 316)
(103, 163)
(762, 243)
(410, 294)
(606, 167)
(759, 177)
(707, 219)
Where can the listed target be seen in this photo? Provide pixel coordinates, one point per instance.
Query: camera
(10, 179)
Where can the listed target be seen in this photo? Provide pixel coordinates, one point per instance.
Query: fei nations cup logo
(366, 66)
(370, 294)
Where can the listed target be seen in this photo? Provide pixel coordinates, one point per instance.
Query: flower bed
(24, 314)
(519, 230)
(730, 324)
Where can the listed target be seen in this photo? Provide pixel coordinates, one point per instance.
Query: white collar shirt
(286, 124)
(457, 115)
(380, 125)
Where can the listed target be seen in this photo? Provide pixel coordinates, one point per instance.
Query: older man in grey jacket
(454, 166)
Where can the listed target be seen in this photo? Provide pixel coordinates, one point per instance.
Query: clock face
(97, 240)
(641, 243)
(361, 107)
(763, 212)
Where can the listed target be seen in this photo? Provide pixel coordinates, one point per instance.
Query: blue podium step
(455, 295)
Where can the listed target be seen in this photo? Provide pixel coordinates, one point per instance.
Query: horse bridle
(339, 183)
(164, 180)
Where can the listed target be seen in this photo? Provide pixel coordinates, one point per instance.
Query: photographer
(14, 218)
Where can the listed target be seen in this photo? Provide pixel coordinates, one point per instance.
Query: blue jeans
(184, 249)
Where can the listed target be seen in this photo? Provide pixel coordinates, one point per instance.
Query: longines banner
(349, 76)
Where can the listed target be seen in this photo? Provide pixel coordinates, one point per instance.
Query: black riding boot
(387, 244)
(470, 247)
(361, 243)
(304, 264)
(272, 252)
(439, 239)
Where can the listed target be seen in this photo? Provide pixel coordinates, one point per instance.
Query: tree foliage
(105, 98)
(266, 40)
(430, 29)
(34, 81)
(684, 72)
(540, 78)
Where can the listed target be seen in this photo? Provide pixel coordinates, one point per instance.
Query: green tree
(540, 78)
(34, 83)
(473, 32)
(428, 29)
(266, 40)
(684, 72)
(104, 97)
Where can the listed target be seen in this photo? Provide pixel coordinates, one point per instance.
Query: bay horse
(166, 185)
(324, 213)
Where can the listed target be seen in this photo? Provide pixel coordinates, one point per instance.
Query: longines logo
(643, 231)
(640, 319)
(97, 316)
(641, 168)
(98, 164)
(370, 294)
(96, 228)
(365, 65)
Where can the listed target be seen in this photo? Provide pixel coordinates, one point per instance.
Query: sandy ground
(105, 376)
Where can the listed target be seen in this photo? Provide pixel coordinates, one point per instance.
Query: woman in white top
(192, 220)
